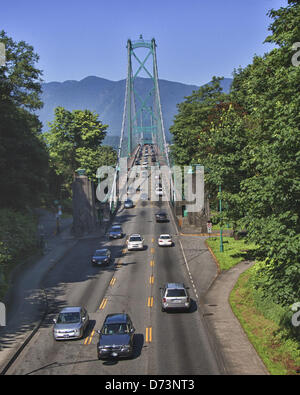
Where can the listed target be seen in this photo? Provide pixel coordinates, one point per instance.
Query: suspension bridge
(142, 122)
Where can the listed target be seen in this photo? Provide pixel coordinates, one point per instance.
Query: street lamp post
(220, 208)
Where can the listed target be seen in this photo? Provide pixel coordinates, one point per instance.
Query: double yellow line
(150, 301)
(103, 304)
(89, 338)
(149, 334)
(112, 281)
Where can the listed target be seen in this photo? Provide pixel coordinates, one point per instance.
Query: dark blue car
(116, 232)
(101, 257)
(116, 337)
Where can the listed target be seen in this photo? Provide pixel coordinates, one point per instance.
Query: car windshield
(161, 214)
(176, 292)
(101, 253)
(113, 329)
(116, 228)
(165, 237)
(68, 318)
(135, 238)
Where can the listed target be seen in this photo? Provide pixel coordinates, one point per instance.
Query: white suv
(135, 242)
(175, 296)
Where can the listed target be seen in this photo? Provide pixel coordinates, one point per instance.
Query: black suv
(116, 337)
(161, 217)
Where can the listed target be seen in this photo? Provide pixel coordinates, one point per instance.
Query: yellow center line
(151, 263)
(112, 281)
(103, 304)
(92, 334)
(151, 280)
(150, 301)
(152, 250)
(152, 239)
(149, 334)
(89, 338)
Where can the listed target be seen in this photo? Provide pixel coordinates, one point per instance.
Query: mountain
(106, 98)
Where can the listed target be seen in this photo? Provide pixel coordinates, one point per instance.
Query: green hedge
(18, 240)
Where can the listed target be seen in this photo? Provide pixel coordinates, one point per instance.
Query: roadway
(165, 343)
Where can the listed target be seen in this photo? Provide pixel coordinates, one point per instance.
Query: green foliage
(267, 324)
(20, 80)
(17, 241)
(23, 155)
(191, 122)
(235, 251)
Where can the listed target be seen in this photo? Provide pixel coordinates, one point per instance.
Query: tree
(269, 90)
(191, 122)
(20, 80)
(91, 159)
(23, 155)
(74, 141)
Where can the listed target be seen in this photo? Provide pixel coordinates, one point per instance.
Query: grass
(280, 353)
(234, 251)
(259, 317)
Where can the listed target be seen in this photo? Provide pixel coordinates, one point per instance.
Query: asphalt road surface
(164, 343)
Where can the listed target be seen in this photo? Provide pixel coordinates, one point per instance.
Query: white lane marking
(188, 269)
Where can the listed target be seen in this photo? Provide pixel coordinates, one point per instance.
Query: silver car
(175, 296)
(70, 323)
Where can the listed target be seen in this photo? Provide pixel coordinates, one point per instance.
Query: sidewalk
(25, 303)
(213, 289)
(239, 355)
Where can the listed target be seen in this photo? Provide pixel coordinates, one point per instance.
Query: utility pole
(220, 209)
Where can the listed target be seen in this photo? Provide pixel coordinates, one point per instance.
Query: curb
(214, 258)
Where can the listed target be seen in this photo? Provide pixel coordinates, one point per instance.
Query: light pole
(220, 209)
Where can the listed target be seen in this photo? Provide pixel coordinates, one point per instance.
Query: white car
(135, 242)
(165, 240)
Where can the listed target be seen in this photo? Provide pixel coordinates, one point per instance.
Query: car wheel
(163, 310)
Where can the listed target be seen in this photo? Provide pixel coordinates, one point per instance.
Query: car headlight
(125, 348)
(101, 347)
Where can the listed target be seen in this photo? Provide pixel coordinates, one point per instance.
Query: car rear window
(176, 292)
(135, 238)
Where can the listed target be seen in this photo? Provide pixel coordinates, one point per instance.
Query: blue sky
(196, 39)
